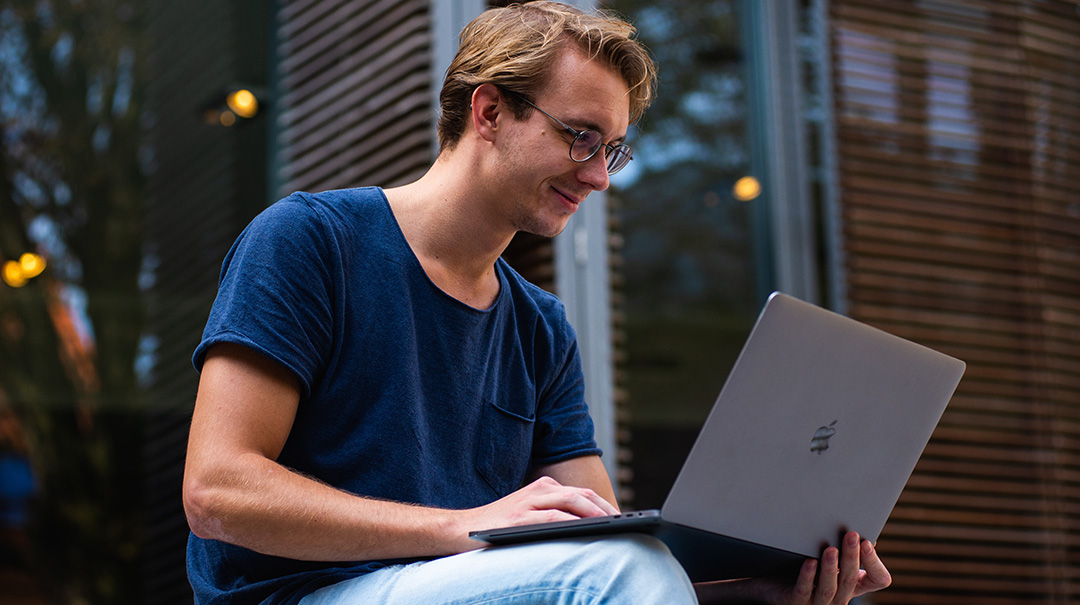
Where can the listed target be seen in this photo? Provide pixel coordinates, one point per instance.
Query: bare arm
(235, 491)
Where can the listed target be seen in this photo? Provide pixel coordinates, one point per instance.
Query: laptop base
(704, 555)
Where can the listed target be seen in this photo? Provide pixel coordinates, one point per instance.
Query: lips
(570, 201)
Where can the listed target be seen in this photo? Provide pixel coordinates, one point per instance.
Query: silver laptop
(815, 433)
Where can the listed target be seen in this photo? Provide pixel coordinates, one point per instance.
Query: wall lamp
(239, 103)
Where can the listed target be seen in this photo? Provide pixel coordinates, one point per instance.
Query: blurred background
(912, 164)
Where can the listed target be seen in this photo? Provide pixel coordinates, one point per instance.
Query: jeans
(623, 569)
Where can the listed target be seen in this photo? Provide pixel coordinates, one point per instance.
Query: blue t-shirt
(407, 393)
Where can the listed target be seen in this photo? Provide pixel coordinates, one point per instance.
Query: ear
(487, 104)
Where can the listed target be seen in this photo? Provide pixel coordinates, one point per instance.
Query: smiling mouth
(573, 202)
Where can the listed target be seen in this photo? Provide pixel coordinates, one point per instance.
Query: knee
(637, 568)
(636, 550)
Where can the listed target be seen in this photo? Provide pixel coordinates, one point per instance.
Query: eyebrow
(580, 121)
(596, 128)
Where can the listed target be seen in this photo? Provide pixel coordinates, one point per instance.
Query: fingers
(877, 576)
(848, 576)
(547, 494)
(542, 501)
(606, 508)
(803, 590)
(827, 577)
(834, 579)
(840, 573)
(850, 571)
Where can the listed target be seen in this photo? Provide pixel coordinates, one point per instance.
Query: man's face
(544, 185)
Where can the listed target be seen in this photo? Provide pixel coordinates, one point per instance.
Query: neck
(449, 224)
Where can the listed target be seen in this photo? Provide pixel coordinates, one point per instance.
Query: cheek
(536, 154)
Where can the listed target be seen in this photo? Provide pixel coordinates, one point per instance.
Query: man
(376, 382)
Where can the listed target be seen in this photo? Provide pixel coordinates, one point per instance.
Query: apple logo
(820, 442)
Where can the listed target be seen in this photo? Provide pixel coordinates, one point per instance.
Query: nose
(593, 172)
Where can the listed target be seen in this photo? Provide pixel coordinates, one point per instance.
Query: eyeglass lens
(588, 142)
(618, 158)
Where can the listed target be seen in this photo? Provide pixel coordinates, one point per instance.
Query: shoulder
(532, 296)
(329, 206)
(539, 309)
(339, 217)
(306, 234)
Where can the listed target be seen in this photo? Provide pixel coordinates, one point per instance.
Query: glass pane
(72, 303)
(124, 176)
(688, 241)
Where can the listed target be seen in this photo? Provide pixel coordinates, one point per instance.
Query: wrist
(451, 528)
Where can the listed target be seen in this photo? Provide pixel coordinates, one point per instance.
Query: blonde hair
(515, 47)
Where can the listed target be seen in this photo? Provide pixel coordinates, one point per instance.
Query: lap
(631, 568)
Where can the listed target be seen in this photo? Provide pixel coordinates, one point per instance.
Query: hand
(542, 501)
(853, 571)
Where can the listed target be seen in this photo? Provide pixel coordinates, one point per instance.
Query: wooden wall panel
(206, 182)
(196, 209)
(958, 141)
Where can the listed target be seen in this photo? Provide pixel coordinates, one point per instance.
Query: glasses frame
(609, 149)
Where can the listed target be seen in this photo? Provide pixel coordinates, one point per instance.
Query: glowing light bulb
(746, 189)
(31, 265)
(13, 274)
(243, 103)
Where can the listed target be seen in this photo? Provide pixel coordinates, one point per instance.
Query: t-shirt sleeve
(275, 293)
(564, 428)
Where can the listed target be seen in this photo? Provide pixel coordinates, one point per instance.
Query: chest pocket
(504, 447)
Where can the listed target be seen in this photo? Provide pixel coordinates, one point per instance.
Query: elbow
(202, 509)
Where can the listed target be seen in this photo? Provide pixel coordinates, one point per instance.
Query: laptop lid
(816, 431)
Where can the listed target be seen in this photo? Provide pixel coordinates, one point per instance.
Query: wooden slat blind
(355, 93)
(958, 140)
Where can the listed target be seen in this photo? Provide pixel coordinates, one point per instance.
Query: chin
(554, 230)
(548, 233)
(543, 228)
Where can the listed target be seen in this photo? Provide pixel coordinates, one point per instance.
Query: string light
(31, 264)
(17, 273)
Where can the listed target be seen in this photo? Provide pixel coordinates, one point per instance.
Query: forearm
(236, 492)
(258, 504)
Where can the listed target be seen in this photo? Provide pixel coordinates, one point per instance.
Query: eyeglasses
(588, 142)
